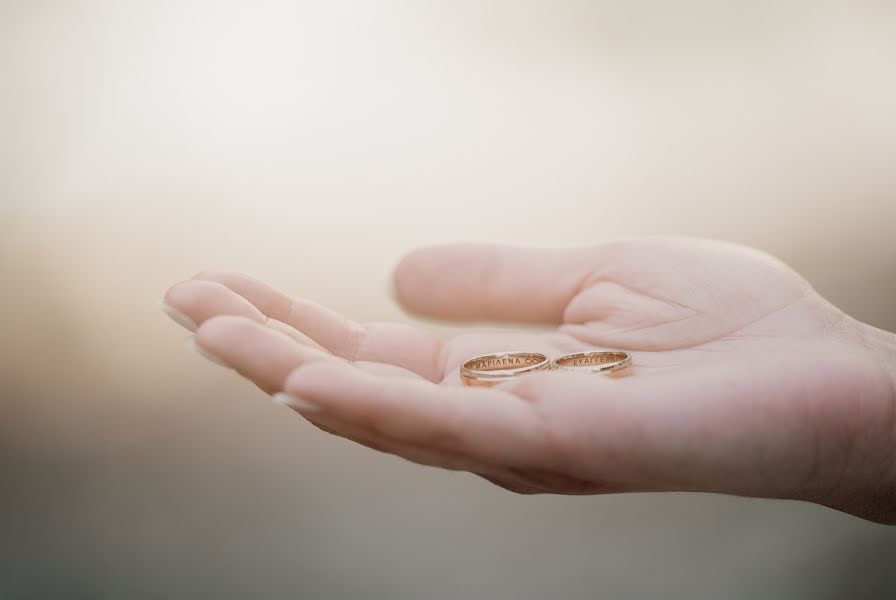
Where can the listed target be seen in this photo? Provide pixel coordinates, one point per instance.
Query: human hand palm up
(745, 381)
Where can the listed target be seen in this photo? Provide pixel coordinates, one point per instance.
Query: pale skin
(745, 380)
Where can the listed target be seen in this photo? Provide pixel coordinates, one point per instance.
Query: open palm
(745, 380)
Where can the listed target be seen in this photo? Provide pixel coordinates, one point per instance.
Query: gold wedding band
(593, 362)
(491, 369)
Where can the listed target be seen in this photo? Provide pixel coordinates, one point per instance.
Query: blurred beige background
(311, 144)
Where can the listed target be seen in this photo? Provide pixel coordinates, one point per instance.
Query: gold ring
(491, 369)
(593, 362)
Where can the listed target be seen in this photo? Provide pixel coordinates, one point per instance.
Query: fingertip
(419, 278)
(405, 277)
(224, 329)
(177, 316)
(177, 295)
(184, 293)
(194, 346)
(203, 300)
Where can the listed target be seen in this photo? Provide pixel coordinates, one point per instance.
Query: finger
(261, 354)
(495, 433)
(492, 283)
(200, 301)
(266, 356)
(421, 455)
(486, 426)
(385, 369)
(296, 335)
(408, 347)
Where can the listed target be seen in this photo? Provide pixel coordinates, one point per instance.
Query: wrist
(880, 503)
(882, 345)
(865, 484)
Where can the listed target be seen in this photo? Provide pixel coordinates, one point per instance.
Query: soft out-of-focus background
(311, 144)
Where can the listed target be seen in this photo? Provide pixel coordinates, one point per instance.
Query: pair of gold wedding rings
(491, 369)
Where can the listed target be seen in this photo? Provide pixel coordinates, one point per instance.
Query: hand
(745, 380)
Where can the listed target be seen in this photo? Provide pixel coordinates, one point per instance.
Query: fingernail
(297, 404)
(193, 346)
(177, 316)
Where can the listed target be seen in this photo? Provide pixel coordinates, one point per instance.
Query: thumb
(473, 282)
